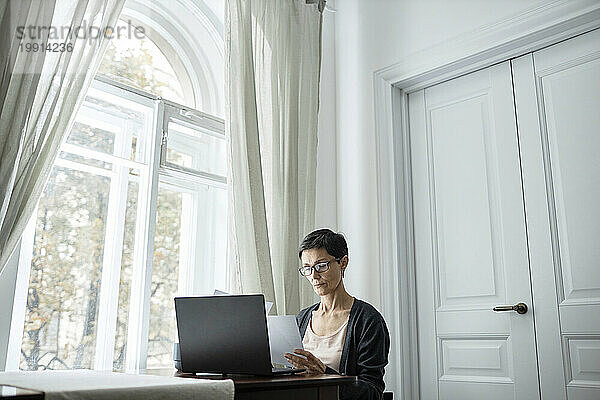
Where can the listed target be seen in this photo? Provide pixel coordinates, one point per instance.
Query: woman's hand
(313, 365)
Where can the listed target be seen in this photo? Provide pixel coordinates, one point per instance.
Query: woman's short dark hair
(334, 243)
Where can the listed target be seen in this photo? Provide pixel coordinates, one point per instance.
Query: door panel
(561, 173)
(470, 241)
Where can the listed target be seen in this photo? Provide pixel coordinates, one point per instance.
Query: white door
(561, 174)
(470, 241)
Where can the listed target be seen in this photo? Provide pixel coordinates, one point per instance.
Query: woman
(340, 334)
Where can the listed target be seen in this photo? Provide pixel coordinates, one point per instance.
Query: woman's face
(326, 282)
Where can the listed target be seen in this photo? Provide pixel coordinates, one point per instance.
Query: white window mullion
(60, 162)
(98, 155)
(139, 310)
(111, 263)
(196, 177)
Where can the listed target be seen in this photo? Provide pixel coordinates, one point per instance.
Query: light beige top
(328, 349)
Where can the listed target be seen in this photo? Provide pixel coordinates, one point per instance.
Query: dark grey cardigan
(365, 352)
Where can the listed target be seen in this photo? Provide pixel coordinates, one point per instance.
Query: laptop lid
(223, 334)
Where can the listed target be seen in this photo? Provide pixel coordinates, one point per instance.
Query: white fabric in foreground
(40, 92)
(85, 384)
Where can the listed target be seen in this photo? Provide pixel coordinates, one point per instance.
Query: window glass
(190, 246)
(139, 62)
(169, 259)
(212, 239)
(94, 138)
(105, 117)
(127, 259)
(91, 228)
(66, 269)
(86, 228)
(197, 148)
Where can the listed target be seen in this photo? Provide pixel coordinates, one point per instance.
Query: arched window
(134, 212)
(140, 63)
(189, 34)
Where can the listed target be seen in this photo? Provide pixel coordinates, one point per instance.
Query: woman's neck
(338, 300)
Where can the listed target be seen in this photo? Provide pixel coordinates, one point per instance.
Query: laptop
(225, 335)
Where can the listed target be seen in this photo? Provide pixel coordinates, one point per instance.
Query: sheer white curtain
(41, 88)
(273, 68)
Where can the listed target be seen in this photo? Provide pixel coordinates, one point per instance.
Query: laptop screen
(223, 334)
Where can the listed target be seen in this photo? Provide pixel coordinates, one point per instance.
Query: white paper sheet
(284, 337)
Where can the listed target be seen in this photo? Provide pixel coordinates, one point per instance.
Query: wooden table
(12, 392)
(288, 387)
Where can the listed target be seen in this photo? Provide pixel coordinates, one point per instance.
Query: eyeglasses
(319, 267)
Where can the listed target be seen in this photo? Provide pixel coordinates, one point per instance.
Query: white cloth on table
(98, 385)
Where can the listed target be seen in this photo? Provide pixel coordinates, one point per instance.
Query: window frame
(151, 173)
(193, 119)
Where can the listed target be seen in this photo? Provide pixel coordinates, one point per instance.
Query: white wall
(370, 35)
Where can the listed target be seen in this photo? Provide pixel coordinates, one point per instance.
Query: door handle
(520, 308)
